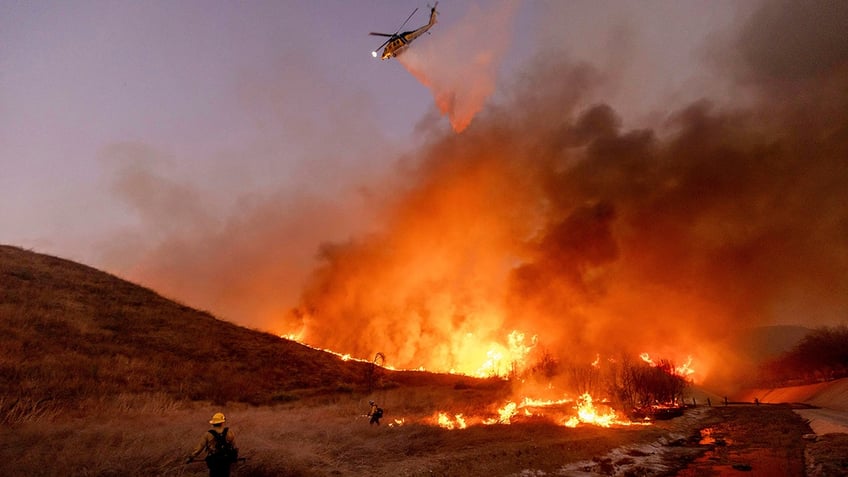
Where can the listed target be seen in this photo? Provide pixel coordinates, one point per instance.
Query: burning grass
(321, 435)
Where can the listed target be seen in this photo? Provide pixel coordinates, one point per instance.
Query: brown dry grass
(319, 436)
(70, 333)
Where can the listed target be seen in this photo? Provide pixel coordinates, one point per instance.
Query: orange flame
(686, 368)
(444, 421)
(505, 414)
(586, 413)
(499, 359)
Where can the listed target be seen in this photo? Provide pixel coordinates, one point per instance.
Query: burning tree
(585, 378)
(546, 367)
(373, 373)
(645, 384)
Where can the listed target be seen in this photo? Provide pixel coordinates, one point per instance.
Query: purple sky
(231, 102)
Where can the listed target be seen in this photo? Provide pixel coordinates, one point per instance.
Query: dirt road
(744, 440)
(765, 440)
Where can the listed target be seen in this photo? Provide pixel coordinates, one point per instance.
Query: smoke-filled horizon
(548, 218)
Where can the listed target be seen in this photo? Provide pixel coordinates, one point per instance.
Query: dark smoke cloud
(789, 41)
(547, 216)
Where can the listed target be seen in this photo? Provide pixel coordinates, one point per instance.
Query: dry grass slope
(70, 333)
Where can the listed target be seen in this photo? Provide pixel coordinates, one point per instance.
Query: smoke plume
(460, 64)
(550, 219)
(185, 248)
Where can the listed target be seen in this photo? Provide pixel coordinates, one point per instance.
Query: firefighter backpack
(223, 452)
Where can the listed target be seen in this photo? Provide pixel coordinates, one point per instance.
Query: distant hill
(70, 332)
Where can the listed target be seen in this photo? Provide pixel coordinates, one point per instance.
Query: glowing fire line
(498, 362)
(518, 351)
(587, 413)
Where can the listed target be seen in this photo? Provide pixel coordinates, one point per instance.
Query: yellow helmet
(218, 418)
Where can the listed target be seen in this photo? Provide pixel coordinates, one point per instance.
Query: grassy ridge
(69, 332)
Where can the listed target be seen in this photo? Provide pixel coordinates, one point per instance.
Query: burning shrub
(547, 366)
(643, 385)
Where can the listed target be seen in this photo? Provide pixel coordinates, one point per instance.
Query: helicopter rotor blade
(407, 19)
(381, 34)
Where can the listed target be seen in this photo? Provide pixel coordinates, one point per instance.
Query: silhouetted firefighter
(375, 413)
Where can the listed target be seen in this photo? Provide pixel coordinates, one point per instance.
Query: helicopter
(397, 41)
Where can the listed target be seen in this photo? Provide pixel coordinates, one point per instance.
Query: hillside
(762, 343)
(69, 332)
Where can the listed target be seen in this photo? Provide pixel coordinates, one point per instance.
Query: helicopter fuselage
(395, 47)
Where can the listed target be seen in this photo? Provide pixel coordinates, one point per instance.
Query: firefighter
(220, 447)
(375, 413)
